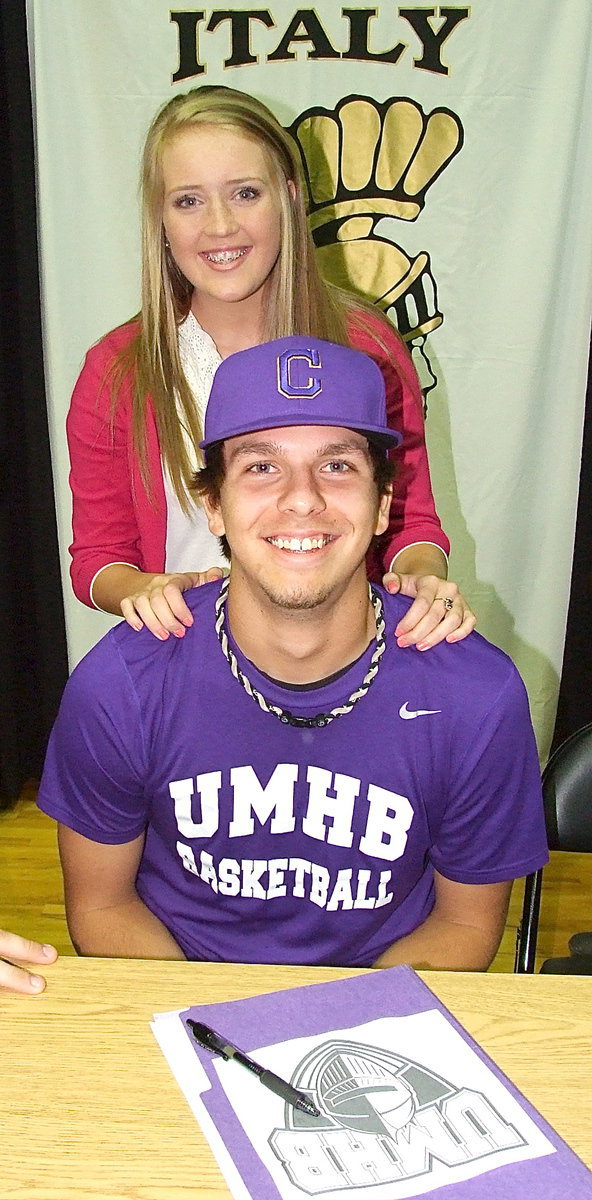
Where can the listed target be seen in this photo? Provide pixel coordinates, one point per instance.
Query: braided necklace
(283, 715)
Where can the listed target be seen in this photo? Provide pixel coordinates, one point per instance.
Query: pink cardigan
(115, 521)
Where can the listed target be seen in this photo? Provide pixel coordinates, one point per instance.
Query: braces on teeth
(225, 255)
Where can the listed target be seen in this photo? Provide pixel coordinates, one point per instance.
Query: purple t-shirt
(271, 843)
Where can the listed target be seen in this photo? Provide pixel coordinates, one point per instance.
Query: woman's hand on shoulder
(439, 611)
(15, 950)
(159, 604)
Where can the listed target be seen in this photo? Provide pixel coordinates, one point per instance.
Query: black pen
(211, 1040)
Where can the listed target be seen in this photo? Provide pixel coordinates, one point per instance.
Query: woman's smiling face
(221, 214)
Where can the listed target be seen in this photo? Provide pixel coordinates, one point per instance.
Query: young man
(285, 783)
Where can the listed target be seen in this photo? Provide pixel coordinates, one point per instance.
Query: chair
(567, 797)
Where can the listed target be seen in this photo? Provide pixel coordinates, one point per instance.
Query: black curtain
(575, 694)
(33, 661)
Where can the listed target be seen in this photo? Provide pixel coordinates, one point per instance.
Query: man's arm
(462, 932)
(106, 917)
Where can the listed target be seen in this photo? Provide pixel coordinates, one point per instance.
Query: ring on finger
(447, 601)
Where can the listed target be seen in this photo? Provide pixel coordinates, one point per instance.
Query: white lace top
(189, 544)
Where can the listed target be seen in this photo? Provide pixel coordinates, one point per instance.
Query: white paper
(474, 1125)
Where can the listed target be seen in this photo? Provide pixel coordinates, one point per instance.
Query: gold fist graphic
(365, 161)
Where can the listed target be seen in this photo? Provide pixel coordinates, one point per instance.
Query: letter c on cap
(285, 363)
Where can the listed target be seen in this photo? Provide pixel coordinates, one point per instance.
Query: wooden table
(89, 1108)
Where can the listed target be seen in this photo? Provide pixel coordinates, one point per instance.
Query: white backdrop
(480, 213)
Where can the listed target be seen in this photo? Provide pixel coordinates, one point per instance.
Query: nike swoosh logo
(420, 712)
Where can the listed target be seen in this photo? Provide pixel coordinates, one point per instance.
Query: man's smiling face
(299, 507)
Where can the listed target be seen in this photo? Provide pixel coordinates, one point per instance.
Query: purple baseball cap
(297, 381)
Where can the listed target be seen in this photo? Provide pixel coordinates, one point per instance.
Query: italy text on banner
(449, 164)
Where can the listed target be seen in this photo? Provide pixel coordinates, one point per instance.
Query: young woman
(228, 261)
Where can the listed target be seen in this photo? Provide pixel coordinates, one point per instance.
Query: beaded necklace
(283, 715)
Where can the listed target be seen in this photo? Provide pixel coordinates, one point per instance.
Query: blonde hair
(298, 300)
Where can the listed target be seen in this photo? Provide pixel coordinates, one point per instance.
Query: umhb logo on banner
(384, 1119)
(295, 374)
